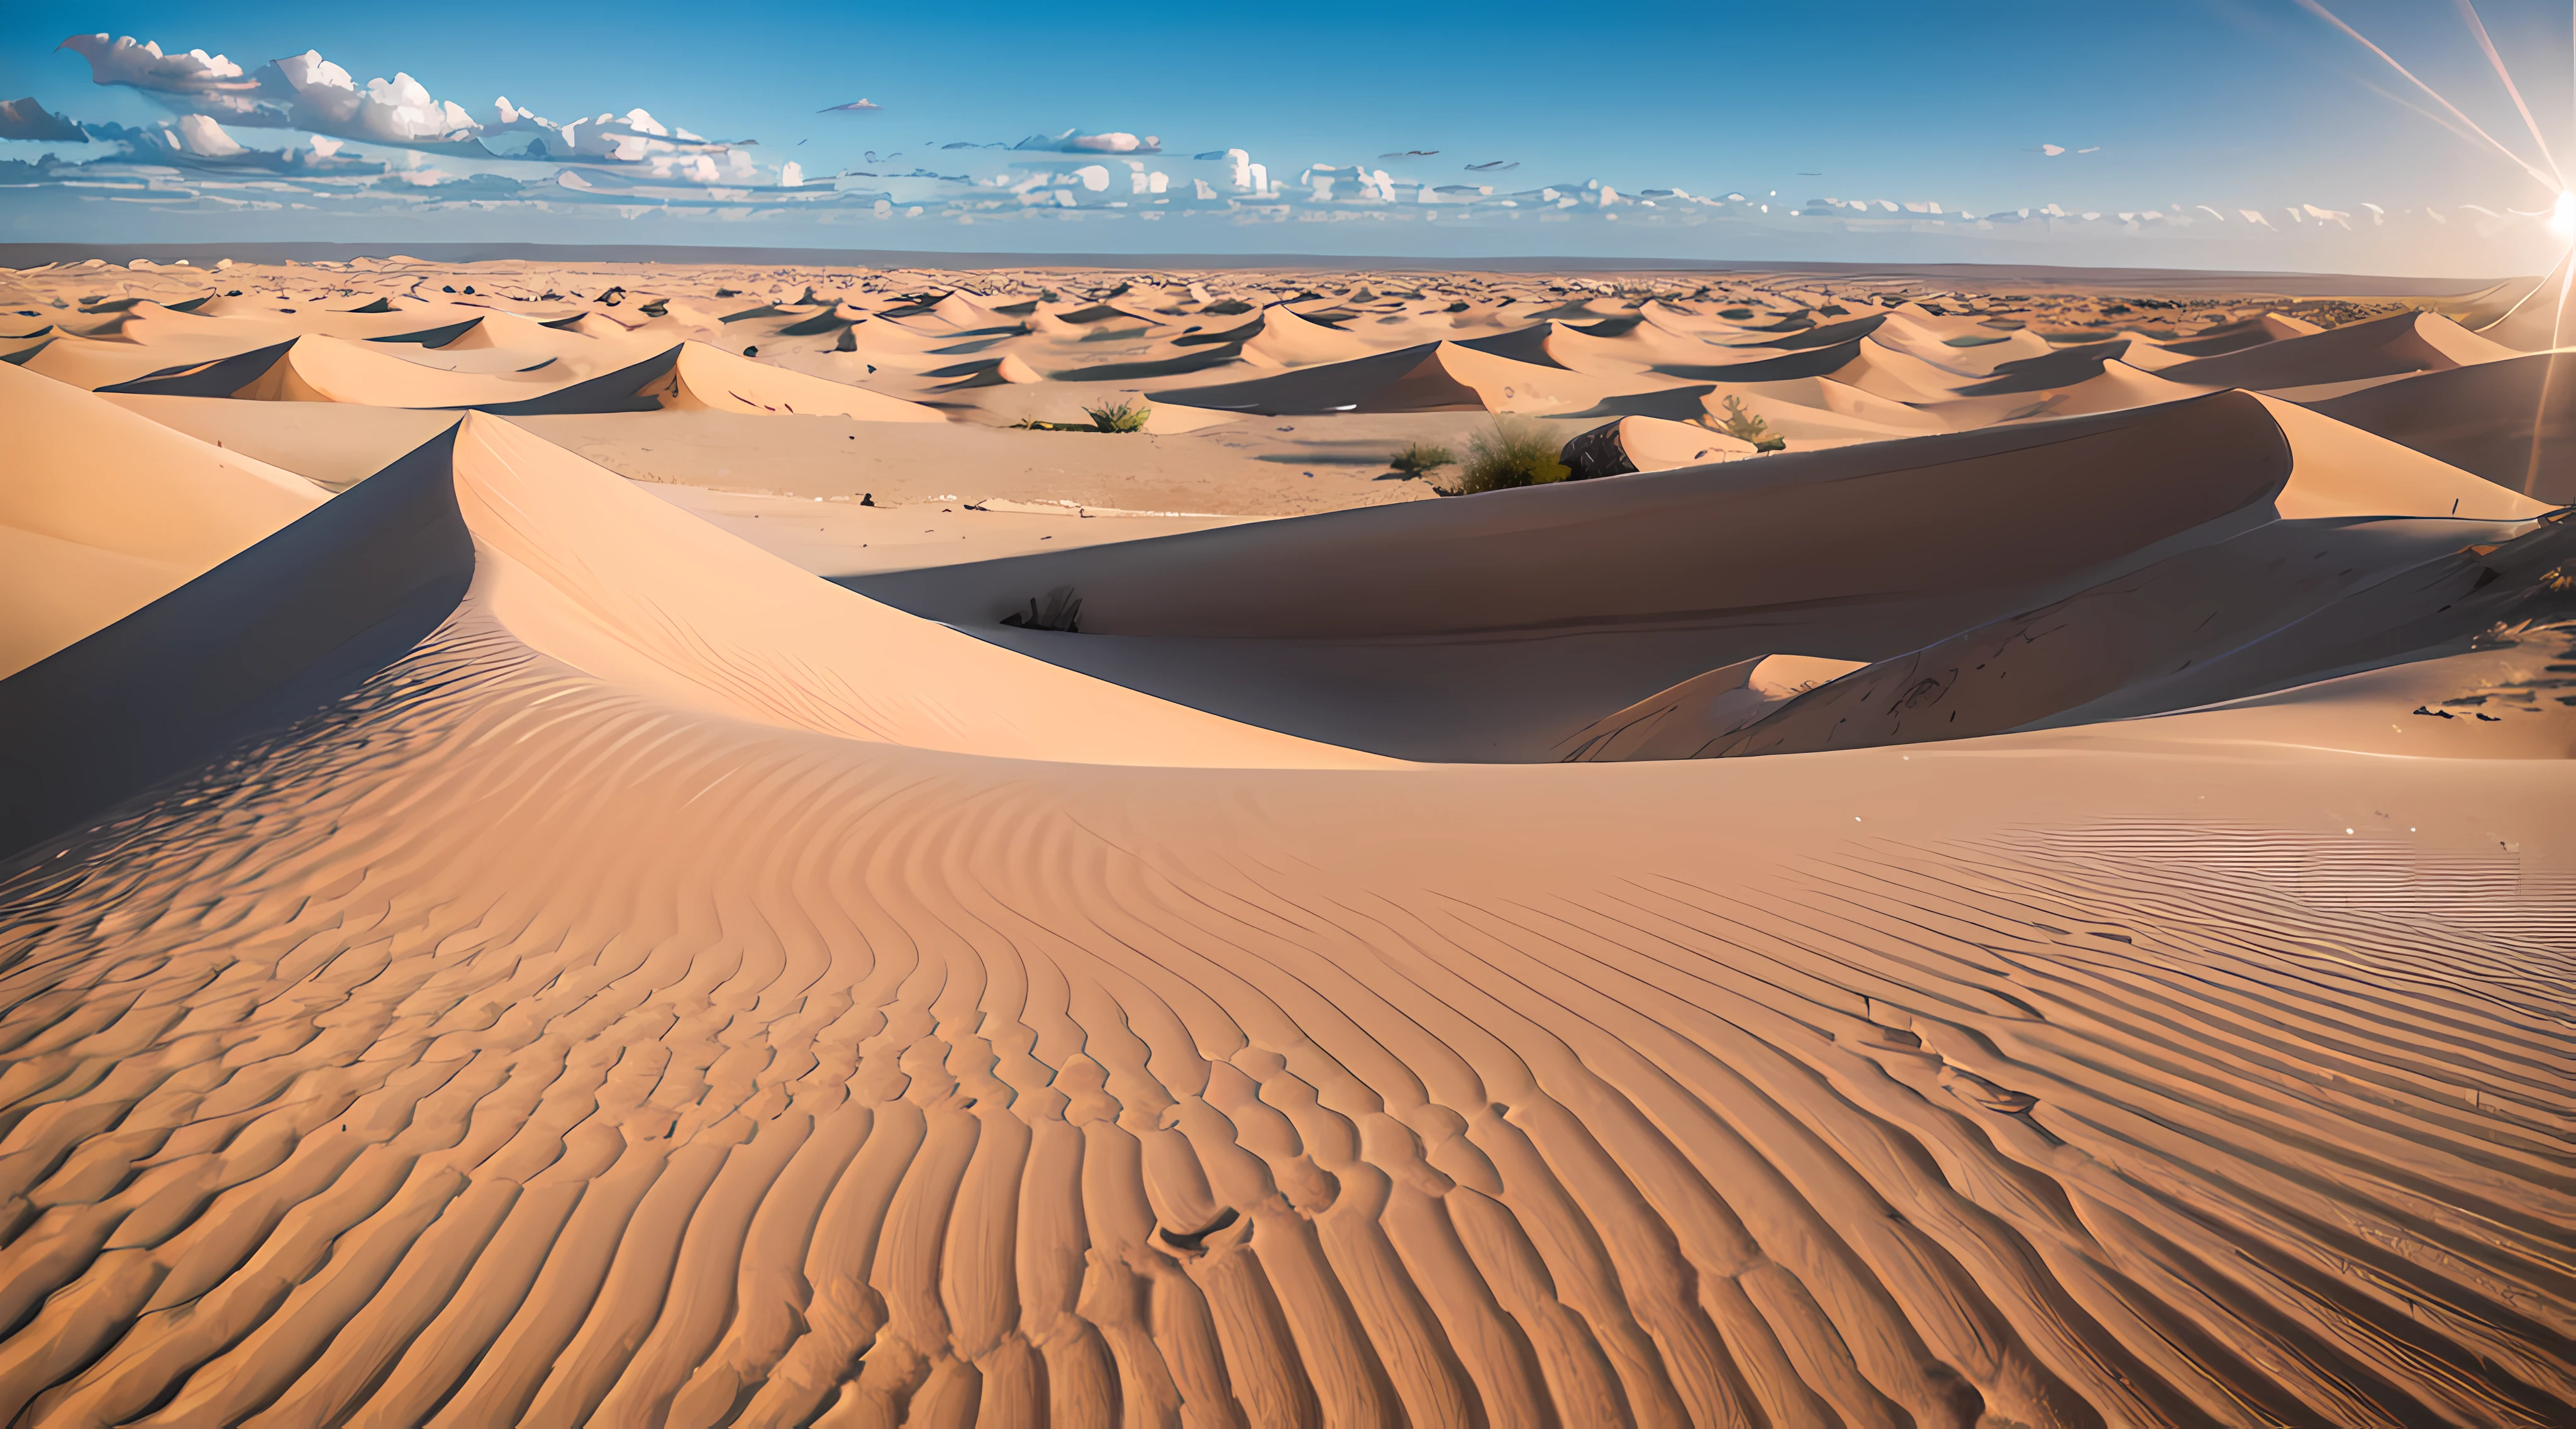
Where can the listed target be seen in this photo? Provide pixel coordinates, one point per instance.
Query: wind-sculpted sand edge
(500, 1047)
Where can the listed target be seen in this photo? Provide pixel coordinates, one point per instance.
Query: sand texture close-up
(659, 844)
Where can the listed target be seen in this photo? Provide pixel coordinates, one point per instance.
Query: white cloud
(399, 110)
(1072, 142)
(203, 136)
(635, 163)
(309, 92)
(634, 137)
(211, 80)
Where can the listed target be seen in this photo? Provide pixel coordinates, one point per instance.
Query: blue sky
(2234, 105)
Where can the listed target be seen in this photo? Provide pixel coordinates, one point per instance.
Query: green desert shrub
(1421, 457)
(1514, 452)
(1129, 416)
(1118, 417)
(1744, 426)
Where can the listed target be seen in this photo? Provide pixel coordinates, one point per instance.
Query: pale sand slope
(643, 986)
(2507, 421)
(336, 445)
(1279, 467)
(1266, 468)
(691, 377)
(102, 513)
(841, 538)
(1499, 627)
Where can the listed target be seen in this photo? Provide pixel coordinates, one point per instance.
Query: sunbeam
(2321, 12)
(2561, 213)
(2477, 27)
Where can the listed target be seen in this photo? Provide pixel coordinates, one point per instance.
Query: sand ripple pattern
(500, 1048)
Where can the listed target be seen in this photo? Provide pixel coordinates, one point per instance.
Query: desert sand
(657, 844)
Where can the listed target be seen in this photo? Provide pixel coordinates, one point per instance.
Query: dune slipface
(493, 947)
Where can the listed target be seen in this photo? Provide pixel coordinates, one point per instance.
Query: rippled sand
(2021, 918)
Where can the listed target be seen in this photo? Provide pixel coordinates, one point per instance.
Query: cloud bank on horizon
(314, 141)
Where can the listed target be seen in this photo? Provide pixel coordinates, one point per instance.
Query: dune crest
(1684, 720)
(690, 377)
(586, 569)
(2344, 471)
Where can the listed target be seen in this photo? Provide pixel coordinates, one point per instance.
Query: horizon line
(36, 254)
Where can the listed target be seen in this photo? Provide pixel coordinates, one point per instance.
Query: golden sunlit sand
(660, 844)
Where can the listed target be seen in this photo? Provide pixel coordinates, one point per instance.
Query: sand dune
(2273, 622)
(1685, 720)
(1279, 335)
(1975, 350)
(2343, 471)
(498, 946)
(91, 363)
(2115, 387)
(2244, 333)
(939, 343)
(989, 1084)
(329, 369)
(2064, 367)
(1413, 379)
(690, 377)
(1766, 366)
(1488, 629)
(701, 378)
(1555, 344)
(1811, 408)
(103, 512)
(582, 566)
(1652, 444)
(333, 445)
(1858, 362)
(1495, 629)
(2383, 347)
(2119, 386)
(1546, 556)
(2504, 420)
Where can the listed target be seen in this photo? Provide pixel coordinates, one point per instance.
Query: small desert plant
(1514, 452)
(1744, 426)
(1061, 612)
(1119, 417)
(1421, 457)
(1107, 417)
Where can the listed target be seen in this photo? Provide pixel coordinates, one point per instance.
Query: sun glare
(2562, 216)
